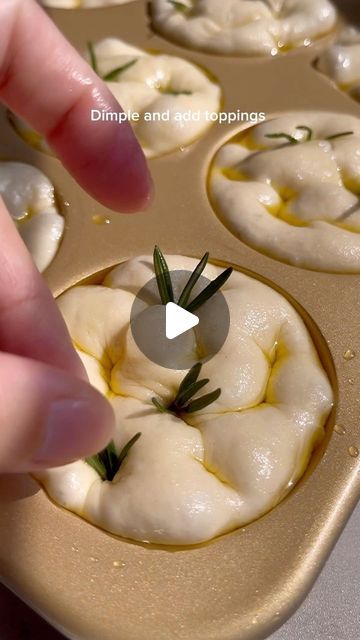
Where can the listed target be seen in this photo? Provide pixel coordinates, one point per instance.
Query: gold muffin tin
(91, 585)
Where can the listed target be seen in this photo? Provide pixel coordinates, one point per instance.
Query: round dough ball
(194, 476)
(243, 27)
(290, 186)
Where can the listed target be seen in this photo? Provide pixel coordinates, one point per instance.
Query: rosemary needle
(108, 462)
(159, 405)
(163, 276)
(179, 6)
(308, 131)
(191, 390)
(177, 93)
(191, 377)
(201, 403)
(112, 75)
(210, 290)
(293, 140)
(125, 450)
(184, 298)
(189, 386)
(287, 137)
(163, 279)
(339, 135)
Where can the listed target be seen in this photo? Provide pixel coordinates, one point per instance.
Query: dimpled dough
(341, 62)
(30, 199)
(295, 202)
(243, 27)
(184, 483)
(154, 84)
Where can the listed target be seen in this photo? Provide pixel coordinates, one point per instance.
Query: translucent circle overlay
(200, 344)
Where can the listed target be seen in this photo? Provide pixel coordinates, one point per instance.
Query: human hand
(49, 414)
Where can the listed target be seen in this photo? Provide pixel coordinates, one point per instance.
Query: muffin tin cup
(242, 586)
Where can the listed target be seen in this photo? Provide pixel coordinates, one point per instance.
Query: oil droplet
(98, 219)
(354, 451)
(349, 354)
(117, 563)
(339, 429)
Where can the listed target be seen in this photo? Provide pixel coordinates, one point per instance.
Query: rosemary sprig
(163, 279)
(188, 388)
(163, 276)
(107, 463)
(293, 140)
(111, 75)
(179, 6)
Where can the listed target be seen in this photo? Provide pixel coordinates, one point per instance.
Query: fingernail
(75, 428)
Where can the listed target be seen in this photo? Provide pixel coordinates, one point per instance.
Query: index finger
(30, 322)
(45, 81)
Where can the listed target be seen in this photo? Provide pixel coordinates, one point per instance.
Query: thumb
(47, 416)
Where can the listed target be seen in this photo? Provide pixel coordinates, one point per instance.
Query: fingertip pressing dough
(151, 84)
(243, 27)
(186, 482)
(298, 203)
(30, 199)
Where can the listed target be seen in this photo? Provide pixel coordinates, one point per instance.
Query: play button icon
(171, 336)
(178, 320)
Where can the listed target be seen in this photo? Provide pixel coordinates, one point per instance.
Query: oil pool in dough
(298, 203)
(243, 27)
(186, 482)
(30, 199)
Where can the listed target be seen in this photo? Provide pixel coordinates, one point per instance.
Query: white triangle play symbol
(178, 320)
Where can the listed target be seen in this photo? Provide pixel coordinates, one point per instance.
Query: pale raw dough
(243, 27)
(146, 86)
(298, 203)
(341, 62)
(185, 483)
(154, 84)
(30, 199)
